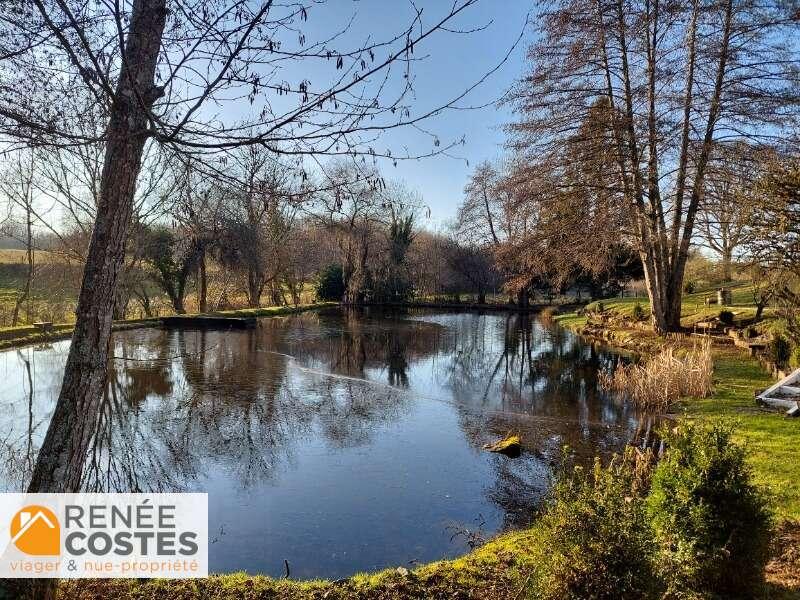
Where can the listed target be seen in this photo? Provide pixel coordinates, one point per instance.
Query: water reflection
(340, 441)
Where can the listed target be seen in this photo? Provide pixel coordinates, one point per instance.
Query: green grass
(772, 439)
(269, 311)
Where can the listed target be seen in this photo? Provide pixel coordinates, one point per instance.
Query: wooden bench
(783, 395)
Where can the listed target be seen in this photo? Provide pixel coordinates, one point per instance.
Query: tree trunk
(356, 282)
(727, 260)
(522, 298)
(675, 285)
(354, 293)
(255, 286)
(202, 284)
(144, 300)
(177, 304)
(121, 302)
(481, 297)
(759, 311)
(72, 426)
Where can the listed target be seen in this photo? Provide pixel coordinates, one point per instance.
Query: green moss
(508, 445)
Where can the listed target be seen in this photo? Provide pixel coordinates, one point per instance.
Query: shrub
(794, 359)
(725, 317)
(599, 307)
(330, 285)
(711, 522)
(638, 312)
(596, 541)
(664, 379)
(779, 351)
(689, 287)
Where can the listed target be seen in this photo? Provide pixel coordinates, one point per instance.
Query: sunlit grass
(773, 440)
(498, 570)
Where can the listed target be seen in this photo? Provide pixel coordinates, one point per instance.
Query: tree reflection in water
(396, 405)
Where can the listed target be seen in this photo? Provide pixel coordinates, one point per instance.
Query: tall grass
(664, 379)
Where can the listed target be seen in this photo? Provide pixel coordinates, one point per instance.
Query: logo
(103, 535)
(35, 531)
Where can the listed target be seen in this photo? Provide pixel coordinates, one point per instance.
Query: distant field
(11, 257)
(54, 289)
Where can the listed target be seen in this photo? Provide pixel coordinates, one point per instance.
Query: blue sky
(455, 62)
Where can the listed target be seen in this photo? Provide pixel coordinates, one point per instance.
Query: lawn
(771, 438)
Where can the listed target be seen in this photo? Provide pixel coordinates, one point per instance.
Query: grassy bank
(13, 337)
(499, 570)
(771, 438)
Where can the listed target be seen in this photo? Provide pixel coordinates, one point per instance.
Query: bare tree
(727, 205)
(482, 217)
(304, 254)
(567, 221)
(258, 218)
(666, 81)
(774, 241)
(353, 206)
(472, 267)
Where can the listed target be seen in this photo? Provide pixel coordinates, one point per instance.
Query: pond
(338, 441)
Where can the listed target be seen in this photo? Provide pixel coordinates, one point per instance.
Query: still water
(338, 441)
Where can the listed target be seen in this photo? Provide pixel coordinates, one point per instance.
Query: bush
(779, 350)
(711, 522)
(689, 287)
(596, 542)
(638, 312)
(794, 359)
(725, 317)
(330, 285)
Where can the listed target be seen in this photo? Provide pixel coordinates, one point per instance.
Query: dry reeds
(664, 379)
(547, 314)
